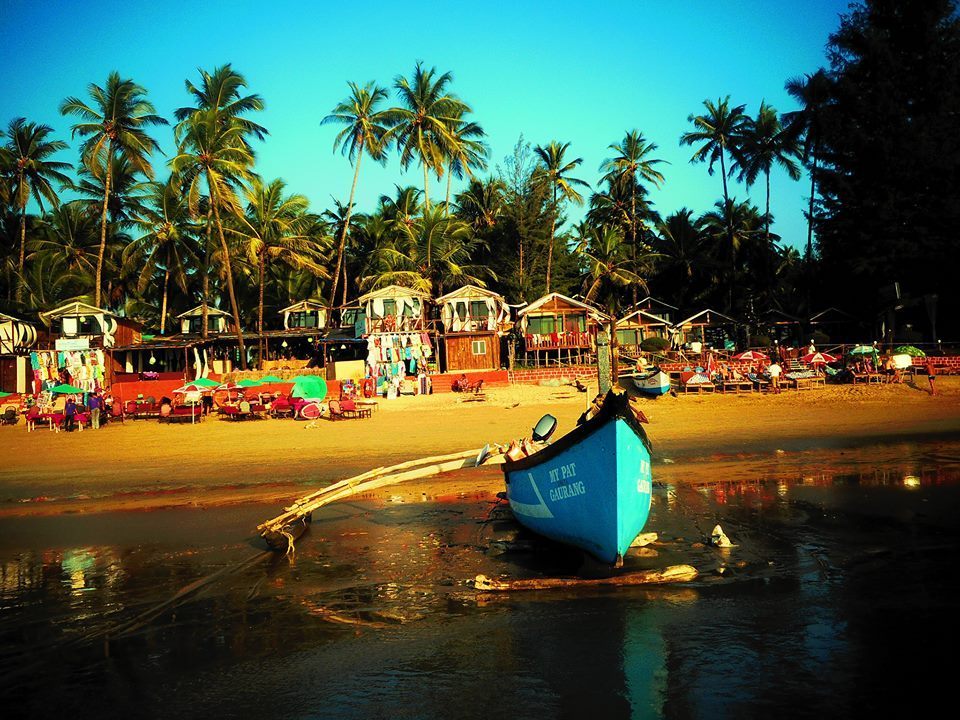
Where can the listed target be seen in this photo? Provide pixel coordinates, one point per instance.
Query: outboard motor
(545, 428)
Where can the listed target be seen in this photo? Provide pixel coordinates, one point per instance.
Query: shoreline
(143, 466)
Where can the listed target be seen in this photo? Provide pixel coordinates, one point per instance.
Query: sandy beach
(142, 464)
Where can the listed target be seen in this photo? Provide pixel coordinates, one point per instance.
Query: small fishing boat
(655, 382)
(591, 488)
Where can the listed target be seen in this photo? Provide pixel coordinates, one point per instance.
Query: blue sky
(573, 72)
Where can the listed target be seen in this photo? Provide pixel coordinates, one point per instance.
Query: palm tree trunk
(767, 216)
(633, 233)
(426, 198)
(553, 229)
(344, 281)
(263, 271)
(205, 305)
(103, 222)
(163, 305)
(813, 187)
(343, 234)
(449, 180)
(23, 249)
(228, 269)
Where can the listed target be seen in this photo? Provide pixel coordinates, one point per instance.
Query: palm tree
(365, 129)
(219, 92)
(213, 152)
(275, 227)
(806, 125)
(731, 225)
(632, 164)
(679, 243)
(431, 253)
(466, 152)
(764, 144)
(68, 242)
(719, 129)
(25, 158)
(554, 174)
(114, 123)
(481, 203)
(424, 123)
(609, 267)
(168, 241)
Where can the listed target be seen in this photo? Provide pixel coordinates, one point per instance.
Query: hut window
(479, 310)
(627, 337)
(303, 320)
(541, 324)
(575, 322)
(479, 347)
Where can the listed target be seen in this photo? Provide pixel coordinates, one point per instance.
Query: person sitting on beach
(32, 415)
(460, 384)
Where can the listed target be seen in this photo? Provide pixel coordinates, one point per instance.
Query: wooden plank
(671, 574)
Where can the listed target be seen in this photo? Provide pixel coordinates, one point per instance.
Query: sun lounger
(346, 410)
(696, 382)
(760, 384)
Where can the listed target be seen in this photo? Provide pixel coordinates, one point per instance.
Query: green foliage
(654, 344)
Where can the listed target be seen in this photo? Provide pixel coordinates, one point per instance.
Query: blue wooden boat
(591, 488)
(654, 383)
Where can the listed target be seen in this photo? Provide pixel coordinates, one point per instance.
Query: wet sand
(141, 465)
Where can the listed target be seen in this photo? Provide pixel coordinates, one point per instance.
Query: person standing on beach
(95, 404)
(932, 376)
(69, 414)
(774, 371)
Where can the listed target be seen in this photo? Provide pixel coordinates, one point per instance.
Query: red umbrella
(752, 356)
(818, 358)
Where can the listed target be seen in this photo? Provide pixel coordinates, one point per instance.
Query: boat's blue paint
(656, 383)
(594, 495)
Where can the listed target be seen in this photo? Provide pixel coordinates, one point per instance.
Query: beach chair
(350, 409)
(335, 411)
(696, 382)
(760, 384)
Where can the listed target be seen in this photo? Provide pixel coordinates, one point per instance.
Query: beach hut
(637, 326)
(659, 308)
(16, 338)
(786, 329)
(191, 321)
(396, 333)
(473, 320)
(557, 325)
(707, 329)
(305, 315)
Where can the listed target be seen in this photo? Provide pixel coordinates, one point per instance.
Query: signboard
(66, 344)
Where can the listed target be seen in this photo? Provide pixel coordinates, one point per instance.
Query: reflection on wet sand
(837, 566)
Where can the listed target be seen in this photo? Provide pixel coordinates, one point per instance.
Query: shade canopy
(310, 387)
(864, 350)
(910, 350)
(64, 388)
(818, 358)
(205, 382)
(752, 355)
(247, 382)
(4, 394)
(270, 379)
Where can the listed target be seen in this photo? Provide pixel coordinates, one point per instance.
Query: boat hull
(591, 490)
(656, 384)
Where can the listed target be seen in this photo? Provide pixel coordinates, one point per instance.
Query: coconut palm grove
(101, 215)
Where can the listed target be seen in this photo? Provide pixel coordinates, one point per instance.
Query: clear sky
(583, 73)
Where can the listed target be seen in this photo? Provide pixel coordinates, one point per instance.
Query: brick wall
(533, 377)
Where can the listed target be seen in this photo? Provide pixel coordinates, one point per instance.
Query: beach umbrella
(64, 388)
(310, 387)
(249, 383)
(752, 356)
(270, 379)
(193, 387)
(910, 350)
(205, 382)
(864, 350)
(4, 395)
(818, 358)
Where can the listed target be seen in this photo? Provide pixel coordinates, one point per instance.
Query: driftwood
(671, 574)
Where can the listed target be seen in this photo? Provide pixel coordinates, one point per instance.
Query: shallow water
(837, 601)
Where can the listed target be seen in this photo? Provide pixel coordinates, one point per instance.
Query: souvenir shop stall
(84, 369)
(393, 357)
